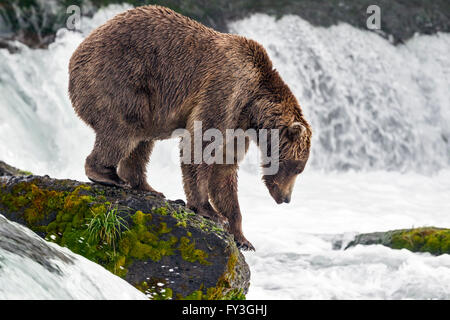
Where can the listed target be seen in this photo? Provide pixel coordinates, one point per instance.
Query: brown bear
(149, 71)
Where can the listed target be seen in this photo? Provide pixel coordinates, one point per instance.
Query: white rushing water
(371, 104)
(65, 275)
(380, 154)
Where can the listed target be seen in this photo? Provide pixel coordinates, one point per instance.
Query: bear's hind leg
(132, 169)
(101, 164)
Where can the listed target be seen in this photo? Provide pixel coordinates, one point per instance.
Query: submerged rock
(427, 239)
(157, 245)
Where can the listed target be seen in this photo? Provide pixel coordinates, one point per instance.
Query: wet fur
(149, 71)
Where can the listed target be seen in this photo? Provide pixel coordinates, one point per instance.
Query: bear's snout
(287, 199)
(280, 191)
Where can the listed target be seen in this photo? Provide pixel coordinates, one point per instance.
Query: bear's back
(145, 32)
(165, 59)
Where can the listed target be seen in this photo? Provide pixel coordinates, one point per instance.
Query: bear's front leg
(197, 194)
(223, 195)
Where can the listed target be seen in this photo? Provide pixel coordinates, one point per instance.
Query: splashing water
(380, 110)
(31, 268)
(38, 126)
(371, 105)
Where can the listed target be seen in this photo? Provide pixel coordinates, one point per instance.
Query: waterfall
(372, 105)
(38, 127)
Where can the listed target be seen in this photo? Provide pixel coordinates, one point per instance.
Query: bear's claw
(245, 245)
(147, 188)
(109, 184)
(106, 176)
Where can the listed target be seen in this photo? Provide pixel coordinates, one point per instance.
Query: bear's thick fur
(149, 71)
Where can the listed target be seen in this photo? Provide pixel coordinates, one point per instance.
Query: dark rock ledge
(157, 245)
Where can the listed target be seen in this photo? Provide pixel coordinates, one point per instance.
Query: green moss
(100, 192)
(25, 173)
(37, 204)
(433, 240)
(140, 218)
(145, 239)
(164, 211)
(196, 295)
(234, 294)
(154, 291)
(222, 290)
(190, 253)
(182, 215)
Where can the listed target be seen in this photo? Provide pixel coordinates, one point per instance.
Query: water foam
(64, 275)
(371, 105)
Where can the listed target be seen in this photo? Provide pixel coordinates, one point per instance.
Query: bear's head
(277, 108)
(294, 146)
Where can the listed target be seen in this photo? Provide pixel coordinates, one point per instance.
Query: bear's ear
(296, 130)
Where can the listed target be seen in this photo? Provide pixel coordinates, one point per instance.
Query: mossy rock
(7, 170)
(426, 239)
(160, 246)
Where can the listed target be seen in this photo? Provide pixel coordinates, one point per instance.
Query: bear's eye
(294, 166)
(299, 168)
